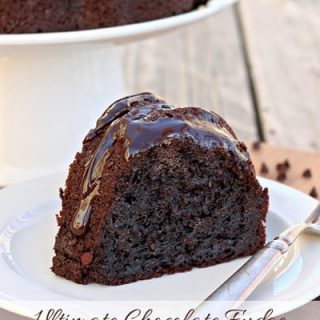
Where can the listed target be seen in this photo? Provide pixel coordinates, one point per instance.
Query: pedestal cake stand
(53, 87)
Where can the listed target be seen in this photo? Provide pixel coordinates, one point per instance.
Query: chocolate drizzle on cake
(94, 168)
(119, 108)
(139, 122)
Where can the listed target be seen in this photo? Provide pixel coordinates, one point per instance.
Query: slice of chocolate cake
(157, 190)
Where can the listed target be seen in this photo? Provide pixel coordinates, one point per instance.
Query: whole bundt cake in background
(32, 16)
(155, 190)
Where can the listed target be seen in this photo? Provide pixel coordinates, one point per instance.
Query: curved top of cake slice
(140, 122)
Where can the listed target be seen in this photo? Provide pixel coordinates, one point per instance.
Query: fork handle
(241, 284)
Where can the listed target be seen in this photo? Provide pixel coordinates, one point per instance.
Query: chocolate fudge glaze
(142, 121)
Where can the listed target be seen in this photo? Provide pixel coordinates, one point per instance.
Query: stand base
(50, 96)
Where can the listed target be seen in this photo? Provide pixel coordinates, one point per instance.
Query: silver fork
(234, 291)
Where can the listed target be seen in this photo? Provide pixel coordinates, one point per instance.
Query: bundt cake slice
(155, 190)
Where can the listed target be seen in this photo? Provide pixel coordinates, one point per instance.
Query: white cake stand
(53, 86)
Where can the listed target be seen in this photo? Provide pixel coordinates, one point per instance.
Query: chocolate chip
(283, 167)
(256, 145)
(264, 168)
(282, 176)
(307, 173)
(72, 242)
(122, 140)
(287, 163)
(86, 258)
(313, 193)
(70, 250)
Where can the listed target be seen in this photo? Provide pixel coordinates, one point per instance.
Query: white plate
(117, 34)
(28, 227)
